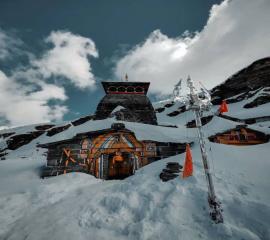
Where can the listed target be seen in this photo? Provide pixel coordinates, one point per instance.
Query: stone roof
(136, 105)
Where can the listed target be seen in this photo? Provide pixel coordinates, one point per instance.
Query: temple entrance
(116, 165)
(115, 155)
(120, 166)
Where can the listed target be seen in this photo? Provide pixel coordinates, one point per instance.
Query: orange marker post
(223, 107)
(188, 167)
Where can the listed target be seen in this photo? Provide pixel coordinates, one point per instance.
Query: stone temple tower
(126, 101)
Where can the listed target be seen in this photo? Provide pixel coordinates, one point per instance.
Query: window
(121, 89)
(112, 89)
(130, 89)
(139, 89)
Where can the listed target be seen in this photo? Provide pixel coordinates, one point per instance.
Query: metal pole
(204, 155)
(215, 208)
(196, 106)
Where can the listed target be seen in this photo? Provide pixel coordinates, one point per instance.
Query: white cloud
(26, 95)
(68, 58)
(24, 105)
(237, 33)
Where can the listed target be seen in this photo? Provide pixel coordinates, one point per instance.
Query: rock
(19, 140)
(82, 120)
(205, 120)
(168, 105)
(56, 130)
(174, 113)
(258, 101)
(166, 125)
(177, 112)
(44, 127)
(167, 176)
(243, 82)
(171, 171)
(159, 110)
(174, 164)
(6, 135)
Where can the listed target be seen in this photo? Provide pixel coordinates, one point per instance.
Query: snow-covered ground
(78, 206)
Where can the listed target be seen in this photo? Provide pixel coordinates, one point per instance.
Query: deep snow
(78, 206)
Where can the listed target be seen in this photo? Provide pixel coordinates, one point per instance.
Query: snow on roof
(142, 131)
(118, 108)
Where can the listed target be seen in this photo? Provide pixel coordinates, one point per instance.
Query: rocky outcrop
(205, 120)
(258, 101)
(44, 127)
(160, 110)
(177, 112)
(82, 120)
(168, 105)
(6, 135)
(56, 130)
(244, 83)
(16, 141)
(172, 170)
(22, 139)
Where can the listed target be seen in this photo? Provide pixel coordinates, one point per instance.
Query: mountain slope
(244, 83)
(78, 206)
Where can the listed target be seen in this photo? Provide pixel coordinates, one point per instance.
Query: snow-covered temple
(111, 152)
(127, 101)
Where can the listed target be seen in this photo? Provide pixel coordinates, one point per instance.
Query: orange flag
(188, 167)
(223, 107)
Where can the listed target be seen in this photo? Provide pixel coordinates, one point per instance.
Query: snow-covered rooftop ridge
(142, 131)
(118, 108)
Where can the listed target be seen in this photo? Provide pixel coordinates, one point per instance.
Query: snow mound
(78, 206)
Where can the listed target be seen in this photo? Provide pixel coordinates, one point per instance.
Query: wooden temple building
(113, 153)
(240, 136)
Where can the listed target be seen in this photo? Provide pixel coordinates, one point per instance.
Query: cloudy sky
(55, 53)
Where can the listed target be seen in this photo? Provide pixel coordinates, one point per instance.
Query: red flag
(188, 167)
(223, 107)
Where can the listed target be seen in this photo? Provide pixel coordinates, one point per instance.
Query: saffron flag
(188, 167)
(223, 107)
